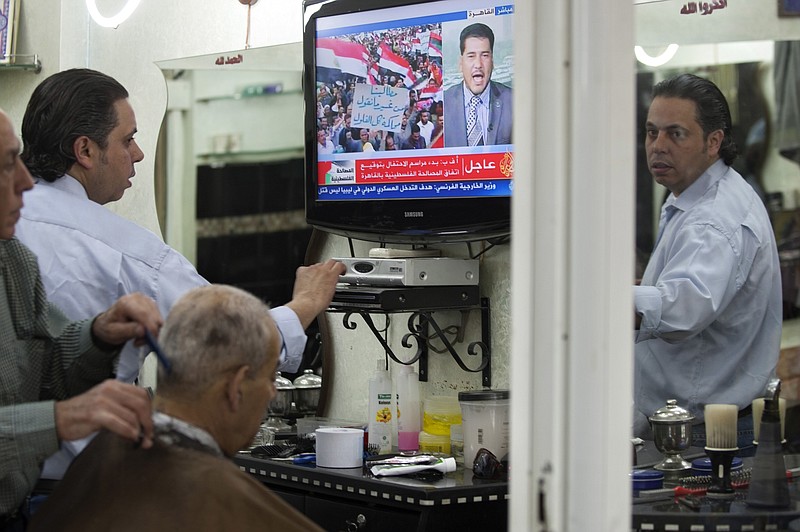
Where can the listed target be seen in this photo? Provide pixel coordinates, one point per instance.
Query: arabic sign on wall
(703, 8)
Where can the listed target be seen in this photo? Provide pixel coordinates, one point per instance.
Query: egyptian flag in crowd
(373, 76)
(430, 91)
(420, 84)
(346, 56)
(393, 62)
(435, 45)
(427, 88)
(416, 43)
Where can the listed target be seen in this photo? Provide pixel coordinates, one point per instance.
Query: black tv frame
(391, 221)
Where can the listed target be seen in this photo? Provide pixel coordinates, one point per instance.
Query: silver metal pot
(672, 434)
(307, 390)
(280, 404)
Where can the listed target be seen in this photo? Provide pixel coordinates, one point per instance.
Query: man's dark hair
(711, 108)
(477, 30)
(67, 105)
(415, 128)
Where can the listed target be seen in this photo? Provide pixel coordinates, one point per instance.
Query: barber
(708, 310)
(55, 374)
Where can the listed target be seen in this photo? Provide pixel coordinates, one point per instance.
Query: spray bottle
(381, 406)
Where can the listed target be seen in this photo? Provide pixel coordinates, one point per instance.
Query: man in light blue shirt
(78, 133)
(708, 310)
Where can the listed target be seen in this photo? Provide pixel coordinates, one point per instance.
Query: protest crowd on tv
(409, 59)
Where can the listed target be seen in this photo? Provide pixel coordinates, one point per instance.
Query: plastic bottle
(440, 412)
(408, 408)
(433, 443)
(380, 411)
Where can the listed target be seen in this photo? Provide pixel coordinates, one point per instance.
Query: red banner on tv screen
(417, 169)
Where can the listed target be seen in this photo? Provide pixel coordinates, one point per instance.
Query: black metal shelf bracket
(366, 316)
(419, 323)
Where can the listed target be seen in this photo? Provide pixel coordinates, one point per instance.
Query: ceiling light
(658, 60)
(116, 20)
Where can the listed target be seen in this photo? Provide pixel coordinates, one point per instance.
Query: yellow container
(439, 412)
(434, 443)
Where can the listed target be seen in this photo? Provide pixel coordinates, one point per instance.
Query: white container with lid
(484, 422)
(339, 447)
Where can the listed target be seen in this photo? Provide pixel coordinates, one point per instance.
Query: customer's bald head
(213, 329)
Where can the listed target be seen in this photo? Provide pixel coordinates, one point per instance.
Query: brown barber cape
(115, 486)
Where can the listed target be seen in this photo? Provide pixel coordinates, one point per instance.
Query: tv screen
(409, 119)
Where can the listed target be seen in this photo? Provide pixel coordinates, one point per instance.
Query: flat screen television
(408, 119)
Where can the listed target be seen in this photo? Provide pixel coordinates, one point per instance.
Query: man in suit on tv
(477, 111)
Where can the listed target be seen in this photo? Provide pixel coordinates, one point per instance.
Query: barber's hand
(113, 405)
(314, 287)
(127, 319)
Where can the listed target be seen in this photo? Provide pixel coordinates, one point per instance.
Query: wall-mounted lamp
(116, 20)
(661, 59)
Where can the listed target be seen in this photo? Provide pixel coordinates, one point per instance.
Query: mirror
(734, 45)
(218, 105)
(743, 47)
(230, 161)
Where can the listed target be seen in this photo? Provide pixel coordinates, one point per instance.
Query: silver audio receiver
(439, 271)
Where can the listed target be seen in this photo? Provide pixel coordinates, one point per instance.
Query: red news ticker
(420, 169)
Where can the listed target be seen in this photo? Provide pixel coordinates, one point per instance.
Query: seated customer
(223, 348)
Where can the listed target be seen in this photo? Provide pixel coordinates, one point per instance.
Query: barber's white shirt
(90, 256)
(710, 300)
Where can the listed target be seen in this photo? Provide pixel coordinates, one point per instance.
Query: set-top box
(437, 271)
(403, 298)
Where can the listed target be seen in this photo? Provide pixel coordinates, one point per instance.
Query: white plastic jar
(484, 422)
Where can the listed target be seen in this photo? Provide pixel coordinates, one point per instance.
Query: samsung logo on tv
(413, 214)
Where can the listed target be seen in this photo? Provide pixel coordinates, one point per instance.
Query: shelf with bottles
(21, 62)
(423, 327)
